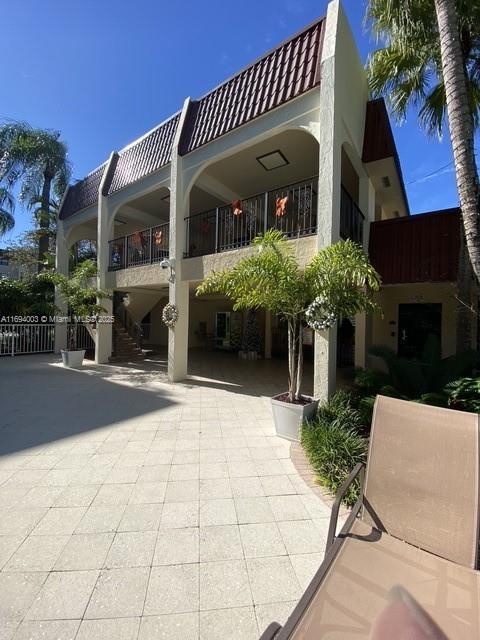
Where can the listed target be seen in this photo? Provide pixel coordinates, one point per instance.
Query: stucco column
(61, 265)
(103, 338)
(179, 288)
(363, 321)
(329, 192)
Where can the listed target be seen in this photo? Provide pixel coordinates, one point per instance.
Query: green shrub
(464, 394)
(334, 443)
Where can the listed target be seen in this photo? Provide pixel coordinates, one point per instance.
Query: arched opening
(140, 230)
(81, 250)
(270, 184)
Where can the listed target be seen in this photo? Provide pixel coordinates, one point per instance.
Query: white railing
(84, 339)
(16, 339)
(20, 339)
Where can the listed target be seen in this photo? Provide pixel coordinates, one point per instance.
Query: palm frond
(7, 221)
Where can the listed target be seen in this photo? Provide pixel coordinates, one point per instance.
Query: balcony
(351, 218)
(291, 209)
(139, 248)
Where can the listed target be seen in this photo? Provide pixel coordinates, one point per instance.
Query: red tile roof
(284, 73)
(418, 248)
(83, 193)
(146, 156)
(277, 77)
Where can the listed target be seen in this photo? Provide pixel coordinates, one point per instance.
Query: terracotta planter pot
(289, 417)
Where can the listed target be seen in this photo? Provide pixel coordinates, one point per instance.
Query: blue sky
(105, 71)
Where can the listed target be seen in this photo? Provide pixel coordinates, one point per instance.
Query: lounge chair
(416, 524)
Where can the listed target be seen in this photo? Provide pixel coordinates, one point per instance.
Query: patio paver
(135, 509)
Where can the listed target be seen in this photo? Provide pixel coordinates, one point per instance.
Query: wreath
(170, 315)
(319, 315)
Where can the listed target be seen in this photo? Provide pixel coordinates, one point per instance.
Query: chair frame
(274, 631)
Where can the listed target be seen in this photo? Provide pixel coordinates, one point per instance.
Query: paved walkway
(132, 508)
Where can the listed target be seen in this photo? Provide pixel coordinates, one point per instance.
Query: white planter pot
(288, 417)
(72, 359)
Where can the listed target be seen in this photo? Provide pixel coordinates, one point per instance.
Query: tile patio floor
(132, 508)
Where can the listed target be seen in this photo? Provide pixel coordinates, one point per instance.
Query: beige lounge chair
(416, 524)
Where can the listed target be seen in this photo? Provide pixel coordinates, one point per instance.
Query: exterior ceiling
(243, 174)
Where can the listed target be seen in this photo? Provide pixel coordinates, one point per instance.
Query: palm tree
(431, 60)
(7, 204)
(461, 121)
(36, 161)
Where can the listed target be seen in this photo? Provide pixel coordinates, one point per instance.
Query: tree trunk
(44, 223)
(298, 389)
(460, 121)
(465, 313)
(292, 360)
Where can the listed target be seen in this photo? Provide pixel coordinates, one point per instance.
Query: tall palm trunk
(44, 222)
(461, 127)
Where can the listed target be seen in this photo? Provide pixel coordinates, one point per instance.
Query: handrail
(255, 195)
(221, 229)
(129, 235)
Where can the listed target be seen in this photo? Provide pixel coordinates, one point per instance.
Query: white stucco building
(295, 124)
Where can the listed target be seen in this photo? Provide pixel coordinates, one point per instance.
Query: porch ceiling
(242, 175)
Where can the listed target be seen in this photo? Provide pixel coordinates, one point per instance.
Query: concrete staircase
(125, 348)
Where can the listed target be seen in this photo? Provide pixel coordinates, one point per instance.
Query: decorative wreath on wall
(170, 315)
(318, 315)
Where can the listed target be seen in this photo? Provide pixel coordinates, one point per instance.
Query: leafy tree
(25, 297)
(79, 291)
(338, 281)
(431, 60)
(36, 161)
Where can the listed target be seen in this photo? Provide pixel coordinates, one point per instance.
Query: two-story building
(291, 142)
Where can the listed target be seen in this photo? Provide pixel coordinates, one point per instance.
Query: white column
(329, 192)
(61, 265)
(103, 338)
(179, 288)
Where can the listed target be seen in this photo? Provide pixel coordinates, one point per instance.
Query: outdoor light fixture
(273, 160)
(166, 263)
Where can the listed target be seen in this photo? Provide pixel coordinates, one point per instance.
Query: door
(415, 323)
(222, 330)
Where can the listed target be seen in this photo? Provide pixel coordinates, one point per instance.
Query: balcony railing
(291, 209)
(351, 218)
(139, 248)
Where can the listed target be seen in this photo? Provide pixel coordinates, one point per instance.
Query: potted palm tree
(82, 299)
(338, 281)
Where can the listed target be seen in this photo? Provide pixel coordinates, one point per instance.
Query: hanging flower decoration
(281, 206)
(170, 315)
(319, 316)
(237, 207)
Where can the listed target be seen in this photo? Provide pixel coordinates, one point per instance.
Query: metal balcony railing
(291, 209)
(351, 218)
(139, 248)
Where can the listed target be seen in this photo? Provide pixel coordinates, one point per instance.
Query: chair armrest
(271, 631)
(358, 470)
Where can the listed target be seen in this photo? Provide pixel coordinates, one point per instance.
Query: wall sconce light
(166, 263)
